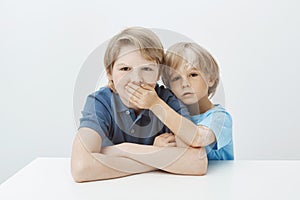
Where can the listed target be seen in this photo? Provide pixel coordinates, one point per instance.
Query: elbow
(80, 169)
(78, 163)
(200, 162)
(198, 169)
(77, 172)
(201, 168)
(77, 178)
(85, 170)
(204, 161)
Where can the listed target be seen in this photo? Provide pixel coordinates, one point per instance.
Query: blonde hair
(187, 53)
(143, 39)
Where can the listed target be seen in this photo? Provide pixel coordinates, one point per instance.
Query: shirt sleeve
(220, 123)
(96, 116)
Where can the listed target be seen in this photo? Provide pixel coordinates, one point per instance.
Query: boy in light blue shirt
(193, 76)
(194, 83)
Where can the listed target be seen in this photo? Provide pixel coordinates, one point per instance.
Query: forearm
(88, 165)
(108, 167)
(192, 161)
(102, 167)
(145, 97)
(191, 134)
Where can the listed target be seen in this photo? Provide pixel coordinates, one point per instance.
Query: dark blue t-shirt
(105, 113)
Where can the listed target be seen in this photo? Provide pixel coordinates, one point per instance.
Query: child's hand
(165, 140)
(144, 96)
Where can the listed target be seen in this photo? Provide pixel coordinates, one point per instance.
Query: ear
(211, 82)
(109, 75)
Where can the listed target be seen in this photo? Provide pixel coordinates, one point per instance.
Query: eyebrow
(149, 65)
(190, 68)
(173, 74)
(143, 65)
(122, 64)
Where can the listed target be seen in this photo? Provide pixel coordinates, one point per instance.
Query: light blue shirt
(220, 122)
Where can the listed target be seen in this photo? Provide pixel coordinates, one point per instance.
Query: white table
(50, 178)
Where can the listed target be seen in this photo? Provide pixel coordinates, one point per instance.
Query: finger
(165, 135)
(169, 134)
(134, 100)
(171, 144)
(171, 138)
(133, 92)
(146, 86)
(134, 88)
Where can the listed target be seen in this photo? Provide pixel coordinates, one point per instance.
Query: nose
(136, 77)
(185, 83)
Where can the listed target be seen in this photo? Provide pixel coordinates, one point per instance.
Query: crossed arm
(90, 162)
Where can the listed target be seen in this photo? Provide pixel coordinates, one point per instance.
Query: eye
(193, 74)
(125, 68)
(147, 69)
(176, 78)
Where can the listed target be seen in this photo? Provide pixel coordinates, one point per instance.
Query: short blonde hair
(143, 39)
(187, 53)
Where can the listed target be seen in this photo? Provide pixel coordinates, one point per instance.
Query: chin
(130, 105)
(189, 101)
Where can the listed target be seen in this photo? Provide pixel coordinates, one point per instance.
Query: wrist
(156, 104)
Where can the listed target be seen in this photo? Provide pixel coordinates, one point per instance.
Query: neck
(201, 106)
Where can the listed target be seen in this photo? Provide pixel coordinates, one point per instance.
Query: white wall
(43, 46)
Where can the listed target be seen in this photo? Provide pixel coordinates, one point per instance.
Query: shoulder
(104, 95)
(100, 98)
(219, 110)
(163, 92)
(218, 114)
(167, 96)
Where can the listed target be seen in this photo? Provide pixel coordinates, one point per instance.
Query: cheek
(120, 79)
(175, 88)
(150, 77)
(200, 83)
(201, 88)
(175, 85)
